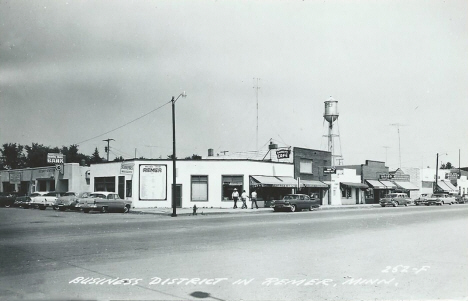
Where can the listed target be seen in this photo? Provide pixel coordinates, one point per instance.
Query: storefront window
(129, 188)
(199, 188)
(104, 184)
(229, 183)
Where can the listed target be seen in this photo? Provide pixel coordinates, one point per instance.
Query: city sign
(55, 158)
(283, 153)
(329, 170)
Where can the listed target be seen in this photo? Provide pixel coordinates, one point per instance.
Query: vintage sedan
(422, 199)
(69, 200)
(440, 199)
(7, 199)
(395, 199)
(296, 202)
(104, 201)
(31, 201)
(46, 200)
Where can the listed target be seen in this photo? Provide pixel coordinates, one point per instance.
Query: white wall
(214, 169)
(344, 175)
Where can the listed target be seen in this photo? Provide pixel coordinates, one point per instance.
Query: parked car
(46, 200)
(69, 200)
(440, 199)
(463, 199)
(30, 202)
(104, 202)
(422, 199)
(395, 199)
(296, 202)
(20, 201)
(7, 199)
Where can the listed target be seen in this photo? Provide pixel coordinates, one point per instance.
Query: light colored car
(46, 200)
(440, 199)
(104, 201)
(32, 199)
(395, 199)
(422, 199)
(69, 200)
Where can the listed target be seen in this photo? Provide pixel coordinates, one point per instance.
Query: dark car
(7, 199)
(296, 202)
(395, 199)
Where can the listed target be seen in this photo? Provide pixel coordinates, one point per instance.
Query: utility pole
(256, 90)
(108, 147)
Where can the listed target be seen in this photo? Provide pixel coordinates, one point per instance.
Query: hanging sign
(329, 170)
(55, 158)
(283, 153)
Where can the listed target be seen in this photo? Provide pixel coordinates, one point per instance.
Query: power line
(123, 124)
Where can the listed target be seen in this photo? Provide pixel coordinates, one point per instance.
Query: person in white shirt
(253, 199)
(235, 197)
(244, 197)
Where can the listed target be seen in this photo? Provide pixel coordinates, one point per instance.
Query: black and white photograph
(224, 150)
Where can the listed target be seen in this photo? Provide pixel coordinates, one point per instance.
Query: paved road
(412, 253)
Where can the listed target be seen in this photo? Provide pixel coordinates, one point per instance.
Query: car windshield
(290, 197)
(97, 195)
(68, 193)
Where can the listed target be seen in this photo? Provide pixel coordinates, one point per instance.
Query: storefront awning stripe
(375, 184)
(405, 185)
(388, 184)
(446, 186)
(316, 184)
(272, 181)
(355, 185)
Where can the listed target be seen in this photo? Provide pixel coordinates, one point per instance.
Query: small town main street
(411, 253)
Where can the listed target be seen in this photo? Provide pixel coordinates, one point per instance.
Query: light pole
(173, 100)
(108, 147)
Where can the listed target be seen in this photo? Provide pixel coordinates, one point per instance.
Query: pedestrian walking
(253, 199)
(244, 199)
(235, 197)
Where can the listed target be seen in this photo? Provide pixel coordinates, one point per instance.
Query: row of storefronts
(211, 181)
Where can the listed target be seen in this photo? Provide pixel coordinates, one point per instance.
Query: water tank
(331, 110)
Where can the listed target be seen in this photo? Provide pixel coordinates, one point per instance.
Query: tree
(119, 159)
(37, 154)
(95, 157)
(447, 165)
(171, 156)
(12, 156)
(194, 157)
(73, 156)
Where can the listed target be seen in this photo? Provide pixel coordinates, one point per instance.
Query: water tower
(331, 115)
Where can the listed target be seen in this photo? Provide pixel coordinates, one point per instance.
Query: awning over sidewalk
(406, 185)
(375, 184)
(388, 184)
(446, 186)
(354, 185)
(314, 184)
(271, 181)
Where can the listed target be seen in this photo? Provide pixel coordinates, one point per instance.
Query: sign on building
(283, 153)
(153, 182)
(127, 168)
(451, 176)
(386, 176)
(329, 170)
(15, 177)
(55, 158)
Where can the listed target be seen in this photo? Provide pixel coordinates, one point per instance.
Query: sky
(79, 72)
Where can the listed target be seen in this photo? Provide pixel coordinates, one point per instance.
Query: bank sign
(153, 182)
(55, 158)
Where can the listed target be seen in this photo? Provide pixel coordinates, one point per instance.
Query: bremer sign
(153, 182)
(55, 158)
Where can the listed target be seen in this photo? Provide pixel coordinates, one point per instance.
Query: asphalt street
(410, 253)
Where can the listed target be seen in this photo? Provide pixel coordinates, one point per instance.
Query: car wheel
(293, 208)
(441, 203)
(406, 204)
(86, 210)
(395, 204)
(103, 209)
(383, 205)
(275, 209)
(311, 208)
(126, 209)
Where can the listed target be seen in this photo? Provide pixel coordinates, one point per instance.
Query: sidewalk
(219, 211)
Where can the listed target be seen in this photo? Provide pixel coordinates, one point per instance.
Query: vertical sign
(153, 182)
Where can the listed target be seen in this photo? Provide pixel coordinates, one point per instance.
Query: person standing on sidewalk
(235, 197)
(244, 199)
(253, 199)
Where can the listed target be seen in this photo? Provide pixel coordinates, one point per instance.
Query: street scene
(363, 254)
(233, 150)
